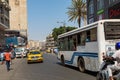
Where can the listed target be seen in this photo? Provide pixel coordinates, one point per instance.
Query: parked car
(34, 56)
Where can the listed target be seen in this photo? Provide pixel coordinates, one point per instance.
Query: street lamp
(64, 25)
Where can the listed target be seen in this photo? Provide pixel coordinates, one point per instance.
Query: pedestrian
(7, 57)
(2, 56)
(12, 55)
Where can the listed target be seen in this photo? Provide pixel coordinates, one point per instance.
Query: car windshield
(18, 50)
(35, 52)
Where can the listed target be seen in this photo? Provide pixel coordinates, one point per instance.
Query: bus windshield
(112, 30)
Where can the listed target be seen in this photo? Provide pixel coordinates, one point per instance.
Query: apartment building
(4, 19)
(102, 9)
(18, 16)
(50, 43)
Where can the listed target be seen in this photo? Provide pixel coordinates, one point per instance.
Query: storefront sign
(100, 11)
(114, 12)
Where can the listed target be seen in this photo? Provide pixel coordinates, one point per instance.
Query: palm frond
(76, 11)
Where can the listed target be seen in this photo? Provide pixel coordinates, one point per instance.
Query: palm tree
(77, 11)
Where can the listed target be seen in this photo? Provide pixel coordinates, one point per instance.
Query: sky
(45, 15)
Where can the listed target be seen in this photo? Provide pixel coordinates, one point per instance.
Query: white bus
(84, 47)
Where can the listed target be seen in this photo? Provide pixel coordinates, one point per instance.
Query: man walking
(7, 57)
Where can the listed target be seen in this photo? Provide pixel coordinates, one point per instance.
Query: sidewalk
(4, 74)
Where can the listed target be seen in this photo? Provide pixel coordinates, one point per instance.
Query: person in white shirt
(2, 56)
(115, 56)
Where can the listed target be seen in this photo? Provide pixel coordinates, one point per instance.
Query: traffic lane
(48, 70)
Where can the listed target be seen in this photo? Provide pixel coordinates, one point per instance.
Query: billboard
(114, 12)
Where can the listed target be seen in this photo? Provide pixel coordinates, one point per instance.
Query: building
(102, 9)
(18, 16)
(50, 43)
(34, 44)
(42, 45)
(4, 19)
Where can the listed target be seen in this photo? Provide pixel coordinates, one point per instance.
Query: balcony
(5, 3)
(3, 26)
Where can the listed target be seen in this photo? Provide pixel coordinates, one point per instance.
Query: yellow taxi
(48, 51)
(34, 56)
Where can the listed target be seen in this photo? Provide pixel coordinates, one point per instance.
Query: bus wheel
(62, 60)
(81, 65)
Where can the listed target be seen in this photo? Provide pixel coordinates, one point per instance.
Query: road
(50, 69)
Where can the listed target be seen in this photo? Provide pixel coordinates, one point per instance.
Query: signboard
(114, 12)
(11, 40)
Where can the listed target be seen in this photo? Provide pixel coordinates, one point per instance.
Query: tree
(60, 30)
(77, 11)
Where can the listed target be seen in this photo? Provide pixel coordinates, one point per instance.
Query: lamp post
(64, 25)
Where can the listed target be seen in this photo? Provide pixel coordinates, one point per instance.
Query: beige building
(34, 44)
(18, 16)
(50, 43)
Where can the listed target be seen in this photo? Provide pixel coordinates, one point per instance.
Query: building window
(2, 20)
(100, 4)
(112, 1)
(1, 10)
(91, 7)
(91, 20)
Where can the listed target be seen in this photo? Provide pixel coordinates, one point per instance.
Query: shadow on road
(75, 68)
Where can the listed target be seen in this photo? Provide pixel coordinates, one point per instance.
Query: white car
(20, 52)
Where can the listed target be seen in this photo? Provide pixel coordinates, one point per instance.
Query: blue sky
(43, 16)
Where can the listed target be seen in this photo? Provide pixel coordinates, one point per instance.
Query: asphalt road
(50, 69)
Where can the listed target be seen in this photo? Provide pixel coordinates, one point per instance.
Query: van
(20, 52)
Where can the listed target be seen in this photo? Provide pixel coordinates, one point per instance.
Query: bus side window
(66, 43)
(74, 37)
(61, 45)
(93, 34)
(71, 44)
(83, 38)
(88, 36)
(78, 39)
